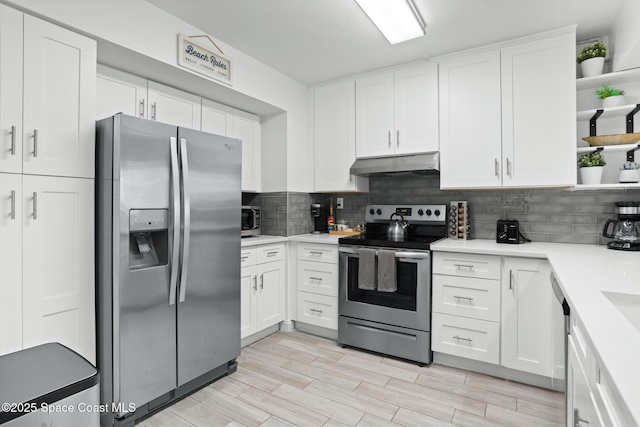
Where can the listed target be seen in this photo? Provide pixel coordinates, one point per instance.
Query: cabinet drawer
(576, 330)
(319, 310)
(467, 297)
(321, 253)
(470, 338)
(467, 265)
(318, 278)
(247, 257)
(270, 253)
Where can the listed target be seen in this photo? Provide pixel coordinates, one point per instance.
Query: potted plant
(611, 97)
(591, 59)
(591, 166)
(629, 172)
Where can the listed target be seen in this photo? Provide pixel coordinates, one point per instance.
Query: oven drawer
(469, 338)
(467, 265)
(318, 278)
(467, 297)
(321, 253)
(319, 310)
(248, 257)
(270, 253)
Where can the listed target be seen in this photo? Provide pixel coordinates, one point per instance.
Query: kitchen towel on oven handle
(367, 269)
(387, 271)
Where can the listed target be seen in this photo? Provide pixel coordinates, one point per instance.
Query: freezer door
(209, 290)
(144, 320)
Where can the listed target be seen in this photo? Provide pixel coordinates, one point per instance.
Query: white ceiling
(314, 41)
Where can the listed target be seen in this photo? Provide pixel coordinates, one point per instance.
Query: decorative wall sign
(203, 60)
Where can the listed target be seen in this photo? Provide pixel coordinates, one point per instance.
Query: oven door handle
(399, 254)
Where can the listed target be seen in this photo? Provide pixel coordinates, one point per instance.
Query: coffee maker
(319, 215)
(626, 229)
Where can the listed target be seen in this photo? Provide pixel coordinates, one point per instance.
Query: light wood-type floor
(295, 379)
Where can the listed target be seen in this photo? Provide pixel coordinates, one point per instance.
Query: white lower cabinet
(317, 280)
(48, 294)
(262, 296)
(499, 310)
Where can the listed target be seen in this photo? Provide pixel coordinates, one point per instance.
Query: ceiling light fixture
(397, 20)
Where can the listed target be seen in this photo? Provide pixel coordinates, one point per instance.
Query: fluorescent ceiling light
(397, 20)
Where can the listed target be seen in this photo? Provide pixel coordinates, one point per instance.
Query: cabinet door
(11, 90)
(248, 291)
(58, 263)
(173, 106)
(10, 263)
(216, 118)
(118, 92)
(246, 127)
(374, 116)
(271, 293)
(59, 101)
(581, 406)
(530, 318)
(416, 109)
(539, 113)
(470, 121)
(335, 138)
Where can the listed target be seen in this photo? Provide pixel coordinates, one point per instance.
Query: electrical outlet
(339, 203)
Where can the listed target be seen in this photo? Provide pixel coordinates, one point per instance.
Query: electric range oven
(396, 319)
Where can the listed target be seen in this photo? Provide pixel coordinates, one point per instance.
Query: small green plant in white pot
(611, 97)
(591, 166)
(629, 172)
(591, 59)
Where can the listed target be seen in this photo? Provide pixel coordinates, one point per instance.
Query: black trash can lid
(43, 375)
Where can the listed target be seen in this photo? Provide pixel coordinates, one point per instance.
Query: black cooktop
(378, 240)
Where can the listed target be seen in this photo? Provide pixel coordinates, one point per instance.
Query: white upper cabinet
(470, 134)
(118, 92)
(498, 125)
(10, 90)
(397, 112)
(539, 112)
(173, 106)
(335, 138)
(59, 101)
(216, 118)
(246, 127)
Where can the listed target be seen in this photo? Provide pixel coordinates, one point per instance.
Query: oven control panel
(412, 213)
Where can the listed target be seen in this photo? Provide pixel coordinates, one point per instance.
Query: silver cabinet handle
(153, 111)
(186, 208)
(510, 279)
(242, 258)
(175, 184)
(459, 266)
(262, 281)
(398, 137)
(12, 215)
(35, 205)
(497, 167)
(576, 418)
(508, 166)
(461, 297)
(255, 283)
(35, 143)
(272, 253)
(389, 139)
(315, 310)
(142, 108)
(315, 278)
(13, 141)
(315, 253)
(462, 339)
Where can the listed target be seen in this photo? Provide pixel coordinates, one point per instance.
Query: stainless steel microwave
(251, 216)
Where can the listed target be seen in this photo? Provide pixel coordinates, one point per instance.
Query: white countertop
(261, 240)
(325, 238)
(584, 271)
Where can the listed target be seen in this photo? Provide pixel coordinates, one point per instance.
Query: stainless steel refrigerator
(168, 265)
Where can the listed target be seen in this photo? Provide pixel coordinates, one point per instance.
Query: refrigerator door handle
(175, 257)
(186, 205)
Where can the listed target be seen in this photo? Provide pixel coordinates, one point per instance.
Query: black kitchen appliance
(508, 231)
(626, 229)
(319, 215)
(396, 319)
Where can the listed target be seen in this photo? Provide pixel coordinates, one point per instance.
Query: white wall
(135, 25)
(625, 37)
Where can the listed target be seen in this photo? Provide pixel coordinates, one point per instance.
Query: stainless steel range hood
(426, 163)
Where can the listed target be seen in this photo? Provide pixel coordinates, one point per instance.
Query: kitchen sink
(627, 304)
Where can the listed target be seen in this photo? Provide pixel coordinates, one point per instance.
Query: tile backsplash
(545, 215)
